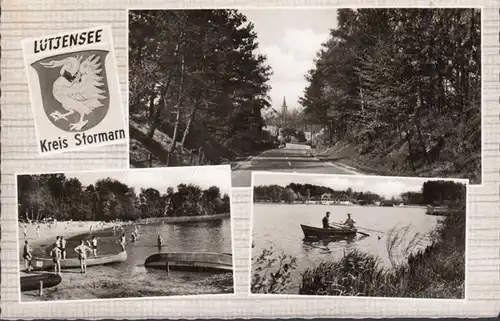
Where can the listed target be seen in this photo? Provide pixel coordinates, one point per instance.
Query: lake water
(278, 226)
(211, 236)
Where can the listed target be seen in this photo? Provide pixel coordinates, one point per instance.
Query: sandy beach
(107, 282)
(48, 232)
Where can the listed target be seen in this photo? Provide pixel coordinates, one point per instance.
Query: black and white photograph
(125, 233)
(358, 236)
(367, 91)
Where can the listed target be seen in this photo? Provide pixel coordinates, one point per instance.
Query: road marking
(347, 170)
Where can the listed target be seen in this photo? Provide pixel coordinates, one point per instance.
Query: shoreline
(358, 205)
(183, 219)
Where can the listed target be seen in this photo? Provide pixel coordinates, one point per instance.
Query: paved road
(292, 158)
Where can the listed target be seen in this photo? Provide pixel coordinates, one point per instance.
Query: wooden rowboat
(32, 282)
(191, 261)
(322, 233)
(72, 263)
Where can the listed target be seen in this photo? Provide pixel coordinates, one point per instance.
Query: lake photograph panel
(371, 91)
(125, 233)
(364, 236)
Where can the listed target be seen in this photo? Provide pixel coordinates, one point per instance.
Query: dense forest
(195, 80)
(62, 198)
(435, 193)
(401, 88)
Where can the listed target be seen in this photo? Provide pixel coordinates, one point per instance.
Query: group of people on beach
(58, 250)
(58, 253)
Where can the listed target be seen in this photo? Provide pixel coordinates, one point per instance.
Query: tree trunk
(410, 150)
(151, 105)
(178, 113)
(163, 97)
(188, 125)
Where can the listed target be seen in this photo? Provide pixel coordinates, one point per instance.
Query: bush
(271, 272)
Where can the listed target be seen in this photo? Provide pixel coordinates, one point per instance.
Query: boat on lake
(73, 263)
(322, 233)
(32, 282)
(191, 261)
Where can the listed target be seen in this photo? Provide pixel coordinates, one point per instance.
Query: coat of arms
(74, 89)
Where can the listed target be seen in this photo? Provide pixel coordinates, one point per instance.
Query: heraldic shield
(74, 89)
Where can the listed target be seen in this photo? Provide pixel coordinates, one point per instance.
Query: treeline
(195, 76)
(62, 198)
(403, 87)
(436, 193)
(302, 192)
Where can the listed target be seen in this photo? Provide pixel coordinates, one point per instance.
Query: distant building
(284, 110)
(284, 107)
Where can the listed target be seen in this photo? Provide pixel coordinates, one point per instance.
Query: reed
(271, 272)
(436, 271)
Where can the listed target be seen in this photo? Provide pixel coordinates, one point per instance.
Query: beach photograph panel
(363, 236)
(125, 233)
(371, 91)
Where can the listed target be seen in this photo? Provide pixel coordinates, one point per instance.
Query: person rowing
(349, 222)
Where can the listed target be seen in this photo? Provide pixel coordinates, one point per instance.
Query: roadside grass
(438, 271)
(395, 162)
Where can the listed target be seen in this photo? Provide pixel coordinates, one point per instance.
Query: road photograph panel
(372, 91)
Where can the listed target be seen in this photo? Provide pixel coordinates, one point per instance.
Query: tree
(202, 67)
(110, 199)
(402, 86)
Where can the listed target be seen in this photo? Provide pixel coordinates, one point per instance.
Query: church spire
(284, 106)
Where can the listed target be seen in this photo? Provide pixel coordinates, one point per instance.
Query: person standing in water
(25, 232)
(93, 245)
(82, 255)
(27, 256)
(349, 222)
(160, 242)
(134, 237)
(63, 247)
(56, 258)
(122, 241)
(38, 231)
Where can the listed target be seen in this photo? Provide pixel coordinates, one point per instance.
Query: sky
(290, 39)
(384, 186)
(162, 178)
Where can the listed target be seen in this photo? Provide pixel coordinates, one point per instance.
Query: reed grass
(271, 272)
(434, 271)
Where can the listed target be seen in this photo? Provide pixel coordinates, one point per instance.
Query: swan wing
(89, 90)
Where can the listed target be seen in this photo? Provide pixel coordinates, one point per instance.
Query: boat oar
(341, 226)
(363, 228)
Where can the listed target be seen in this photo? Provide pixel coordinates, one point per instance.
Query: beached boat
(442, 210)
(191, 261)
(316, 232)
(32, 282)
(73, 263)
